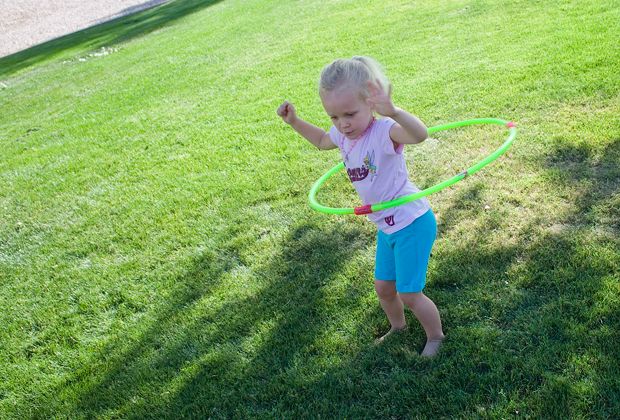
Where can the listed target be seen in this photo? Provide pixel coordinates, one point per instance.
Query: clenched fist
(287, 112)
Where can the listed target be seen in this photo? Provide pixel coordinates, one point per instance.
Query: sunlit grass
(158, 256)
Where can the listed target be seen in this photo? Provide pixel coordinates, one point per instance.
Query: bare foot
(389, 333)
(432, 347)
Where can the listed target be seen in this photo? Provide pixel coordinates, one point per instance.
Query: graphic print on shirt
(369, 167)
(369, 161)
(390, 220)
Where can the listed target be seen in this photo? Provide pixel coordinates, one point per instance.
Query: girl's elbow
(423, 135)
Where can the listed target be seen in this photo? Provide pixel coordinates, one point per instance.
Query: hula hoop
(370, 208)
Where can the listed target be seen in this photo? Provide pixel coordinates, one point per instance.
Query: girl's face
(350, 114)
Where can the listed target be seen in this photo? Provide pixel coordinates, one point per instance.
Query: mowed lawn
(158, 257)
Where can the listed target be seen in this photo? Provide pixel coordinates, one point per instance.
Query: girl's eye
(350, 114)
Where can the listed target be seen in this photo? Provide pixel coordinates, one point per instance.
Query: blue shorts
(403, 255)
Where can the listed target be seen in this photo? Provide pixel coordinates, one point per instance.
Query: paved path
(24, 23)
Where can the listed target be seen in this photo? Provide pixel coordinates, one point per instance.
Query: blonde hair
(355, 73)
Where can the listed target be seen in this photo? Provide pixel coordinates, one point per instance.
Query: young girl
(372, 149)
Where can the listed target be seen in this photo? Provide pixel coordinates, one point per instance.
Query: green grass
(158, 257)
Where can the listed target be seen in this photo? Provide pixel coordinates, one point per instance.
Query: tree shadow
(119, 356)
(298, 300)
(277, 321)
(531, 330)
(466, 205)
(566, 320)
(519, 317)
(106, 34)
(579, 164)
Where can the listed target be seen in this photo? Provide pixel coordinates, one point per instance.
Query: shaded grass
(158, 259)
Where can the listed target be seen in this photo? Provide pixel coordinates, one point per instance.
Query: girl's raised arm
(315, 135)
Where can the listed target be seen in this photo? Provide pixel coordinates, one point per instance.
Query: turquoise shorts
(403, 256)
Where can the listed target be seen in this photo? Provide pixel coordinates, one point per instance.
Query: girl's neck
(372, 121)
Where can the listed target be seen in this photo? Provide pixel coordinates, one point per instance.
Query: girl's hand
(287, 112)
(379, 100)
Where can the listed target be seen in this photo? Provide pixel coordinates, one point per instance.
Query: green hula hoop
(370, 208)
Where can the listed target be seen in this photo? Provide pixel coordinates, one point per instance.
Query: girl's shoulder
(381, 137)
(382, 127)
(335, 136)
(386, 122)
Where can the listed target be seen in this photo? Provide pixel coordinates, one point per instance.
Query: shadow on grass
(105, 34)
(569, 316)
(601, 169)
(542, 346)
(532, 329)
(277, 322)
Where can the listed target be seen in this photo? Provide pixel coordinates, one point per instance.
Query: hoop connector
(511, 124)
(367, 209)
(464, 173)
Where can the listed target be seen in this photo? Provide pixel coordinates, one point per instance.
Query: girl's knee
(410, 299)
(385, 289)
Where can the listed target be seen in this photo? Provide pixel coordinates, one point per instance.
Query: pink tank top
(379, 173)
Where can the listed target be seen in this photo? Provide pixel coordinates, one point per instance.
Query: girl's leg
(426, 312)
(391, 304)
